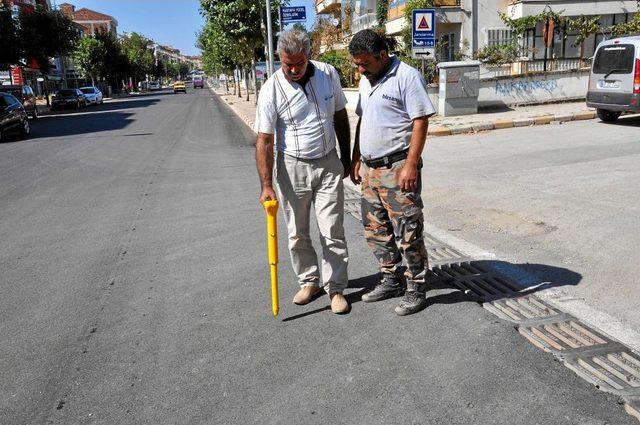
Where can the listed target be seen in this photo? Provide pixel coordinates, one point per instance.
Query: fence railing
(363, 22)
(533, 67)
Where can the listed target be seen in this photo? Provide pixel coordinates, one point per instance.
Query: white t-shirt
(302, 123)
(387, 110)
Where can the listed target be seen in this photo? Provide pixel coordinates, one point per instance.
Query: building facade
(91, 21)
(465, 26)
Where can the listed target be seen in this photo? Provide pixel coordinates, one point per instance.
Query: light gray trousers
(302, 183)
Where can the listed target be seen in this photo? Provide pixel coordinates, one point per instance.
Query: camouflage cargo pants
(394, 222)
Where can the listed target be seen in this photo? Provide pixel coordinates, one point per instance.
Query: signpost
(423, 34)
(292, 14)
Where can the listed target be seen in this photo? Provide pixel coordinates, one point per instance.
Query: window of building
(496, 36)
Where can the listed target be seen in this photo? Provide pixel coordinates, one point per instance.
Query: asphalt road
(560, 200)
(135, 291)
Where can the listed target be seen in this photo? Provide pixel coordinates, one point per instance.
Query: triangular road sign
(423, 25)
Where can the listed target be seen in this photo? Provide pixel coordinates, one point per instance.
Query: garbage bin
(459, 87)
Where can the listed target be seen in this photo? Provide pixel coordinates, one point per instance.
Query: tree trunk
(239, 73)
(226, 83)
(246, 82)
(255, 81)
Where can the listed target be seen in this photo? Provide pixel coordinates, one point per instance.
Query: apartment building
(464, 26)
(90, 20)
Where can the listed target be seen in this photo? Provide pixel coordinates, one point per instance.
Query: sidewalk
(521, 116)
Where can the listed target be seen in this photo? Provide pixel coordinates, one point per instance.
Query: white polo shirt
(387, 110)
(302, 123)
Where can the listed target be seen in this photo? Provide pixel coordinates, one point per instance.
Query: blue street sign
(423, 31)
(293, 14)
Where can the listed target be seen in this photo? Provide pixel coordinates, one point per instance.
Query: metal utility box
(459, 87)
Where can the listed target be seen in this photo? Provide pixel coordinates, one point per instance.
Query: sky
(168, 22)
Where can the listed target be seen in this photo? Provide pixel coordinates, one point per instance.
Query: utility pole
(269, 40)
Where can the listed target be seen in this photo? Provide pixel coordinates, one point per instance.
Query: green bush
(499, 54)
(341, 60)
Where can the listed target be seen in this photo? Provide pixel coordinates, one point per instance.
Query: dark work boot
(413, 301)
(390, 286)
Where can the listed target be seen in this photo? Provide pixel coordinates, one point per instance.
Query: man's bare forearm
(343, 134)
(418, 140)
(264, 159)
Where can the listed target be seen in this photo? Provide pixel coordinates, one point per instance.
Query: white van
(614, 82)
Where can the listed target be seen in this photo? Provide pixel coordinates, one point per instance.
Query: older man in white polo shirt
(394, 108)
(302, 104)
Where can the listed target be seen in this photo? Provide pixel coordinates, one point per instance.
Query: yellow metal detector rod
(271, 207)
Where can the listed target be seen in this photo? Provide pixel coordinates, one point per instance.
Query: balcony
(328, 6)
(363, 22)
(448, 11)
(522, 8)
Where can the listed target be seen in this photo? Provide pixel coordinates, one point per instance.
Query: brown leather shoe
(339, 304)
(305, 294)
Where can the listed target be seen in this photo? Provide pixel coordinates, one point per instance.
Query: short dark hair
(368, 41)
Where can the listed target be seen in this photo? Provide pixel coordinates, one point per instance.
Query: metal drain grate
(616, 372)
(473, 280)
(562, 335)
(521, 309)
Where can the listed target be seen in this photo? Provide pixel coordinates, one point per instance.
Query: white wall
(535, 89)
(510, 91)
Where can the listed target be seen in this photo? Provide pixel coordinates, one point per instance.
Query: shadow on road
(484, 280)
(70, 125)
(125, 103)
(632, 120)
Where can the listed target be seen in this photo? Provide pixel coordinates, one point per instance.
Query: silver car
(614, 82)
(92, 94)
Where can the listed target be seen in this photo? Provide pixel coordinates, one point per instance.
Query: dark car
(25, 95)
(13, 117)
(68, 98)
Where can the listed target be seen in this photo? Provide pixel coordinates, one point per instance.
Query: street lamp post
(269, 39)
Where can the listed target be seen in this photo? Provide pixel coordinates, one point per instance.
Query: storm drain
(473, 280)
(562, 335)
(441, 253)
(352, 203)
(605, 363)
(616, 372)
(521, 309)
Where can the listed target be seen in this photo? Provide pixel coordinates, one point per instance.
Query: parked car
(25, 95)
(155, 85)
(198, 81)
(179, 86)
(614, 82)
(66, 98)
(92, 95)
(13, 116)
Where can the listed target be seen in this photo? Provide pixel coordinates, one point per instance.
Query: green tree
(341, 61)
(137, 50)
(9, 46)
(115, 66)
(89, 58)
(45, 33)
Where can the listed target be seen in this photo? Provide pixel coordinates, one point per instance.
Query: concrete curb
(438, 130)
(248, 121)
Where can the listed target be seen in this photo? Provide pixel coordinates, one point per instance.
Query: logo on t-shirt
(393, 99)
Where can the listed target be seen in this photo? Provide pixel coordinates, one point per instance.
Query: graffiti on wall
(526, 86)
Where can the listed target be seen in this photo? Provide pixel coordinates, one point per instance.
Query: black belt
(386, 161)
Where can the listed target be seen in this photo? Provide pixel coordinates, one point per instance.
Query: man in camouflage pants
(393, 107)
